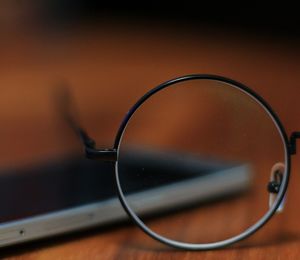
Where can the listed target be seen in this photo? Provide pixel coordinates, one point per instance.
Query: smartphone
(73, 193)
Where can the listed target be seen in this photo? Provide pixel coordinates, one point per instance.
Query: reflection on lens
(195, 160)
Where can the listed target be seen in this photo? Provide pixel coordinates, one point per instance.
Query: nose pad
(274, 185)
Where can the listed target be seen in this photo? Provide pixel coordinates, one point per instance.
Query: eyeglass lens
(203, 153)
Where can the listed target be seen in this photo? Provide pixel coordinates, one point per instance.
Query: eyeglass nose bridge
(293, 143)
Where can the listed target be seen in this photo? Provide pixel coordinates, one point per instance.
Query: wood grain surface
(109, 66)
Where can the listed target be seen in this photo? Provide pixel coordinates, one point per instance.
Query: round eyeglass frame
(249, 231)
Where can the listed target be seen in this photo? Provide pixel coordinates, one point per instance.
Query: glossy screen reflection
(220, 141)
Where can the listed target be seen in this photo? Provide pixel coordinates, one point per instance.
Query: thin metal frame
(112, 155)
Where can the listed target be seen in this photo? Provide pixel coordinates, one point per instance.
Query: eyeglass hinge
(107, 155)
(293, 144)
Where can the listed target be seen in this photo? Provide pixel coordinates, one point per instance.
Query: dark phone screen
(76, 181)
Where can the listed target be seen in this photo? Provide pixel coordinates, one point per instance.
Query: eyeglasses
(211, 161)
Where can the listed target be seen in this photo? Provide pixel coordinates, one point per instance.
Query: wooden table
(110, 66)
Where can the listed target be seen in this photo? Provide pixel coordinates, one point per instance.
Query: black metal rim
(250, 230)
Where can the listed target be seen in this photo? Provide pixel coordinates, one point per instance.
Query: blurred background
(110, 55)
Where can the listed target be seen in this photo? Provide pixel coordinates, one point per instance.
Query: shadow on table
(138, 245)
(281, 239)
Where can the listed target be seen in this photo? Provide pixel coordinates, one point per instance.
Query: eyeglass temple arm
(88, 143)
(293, 143)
